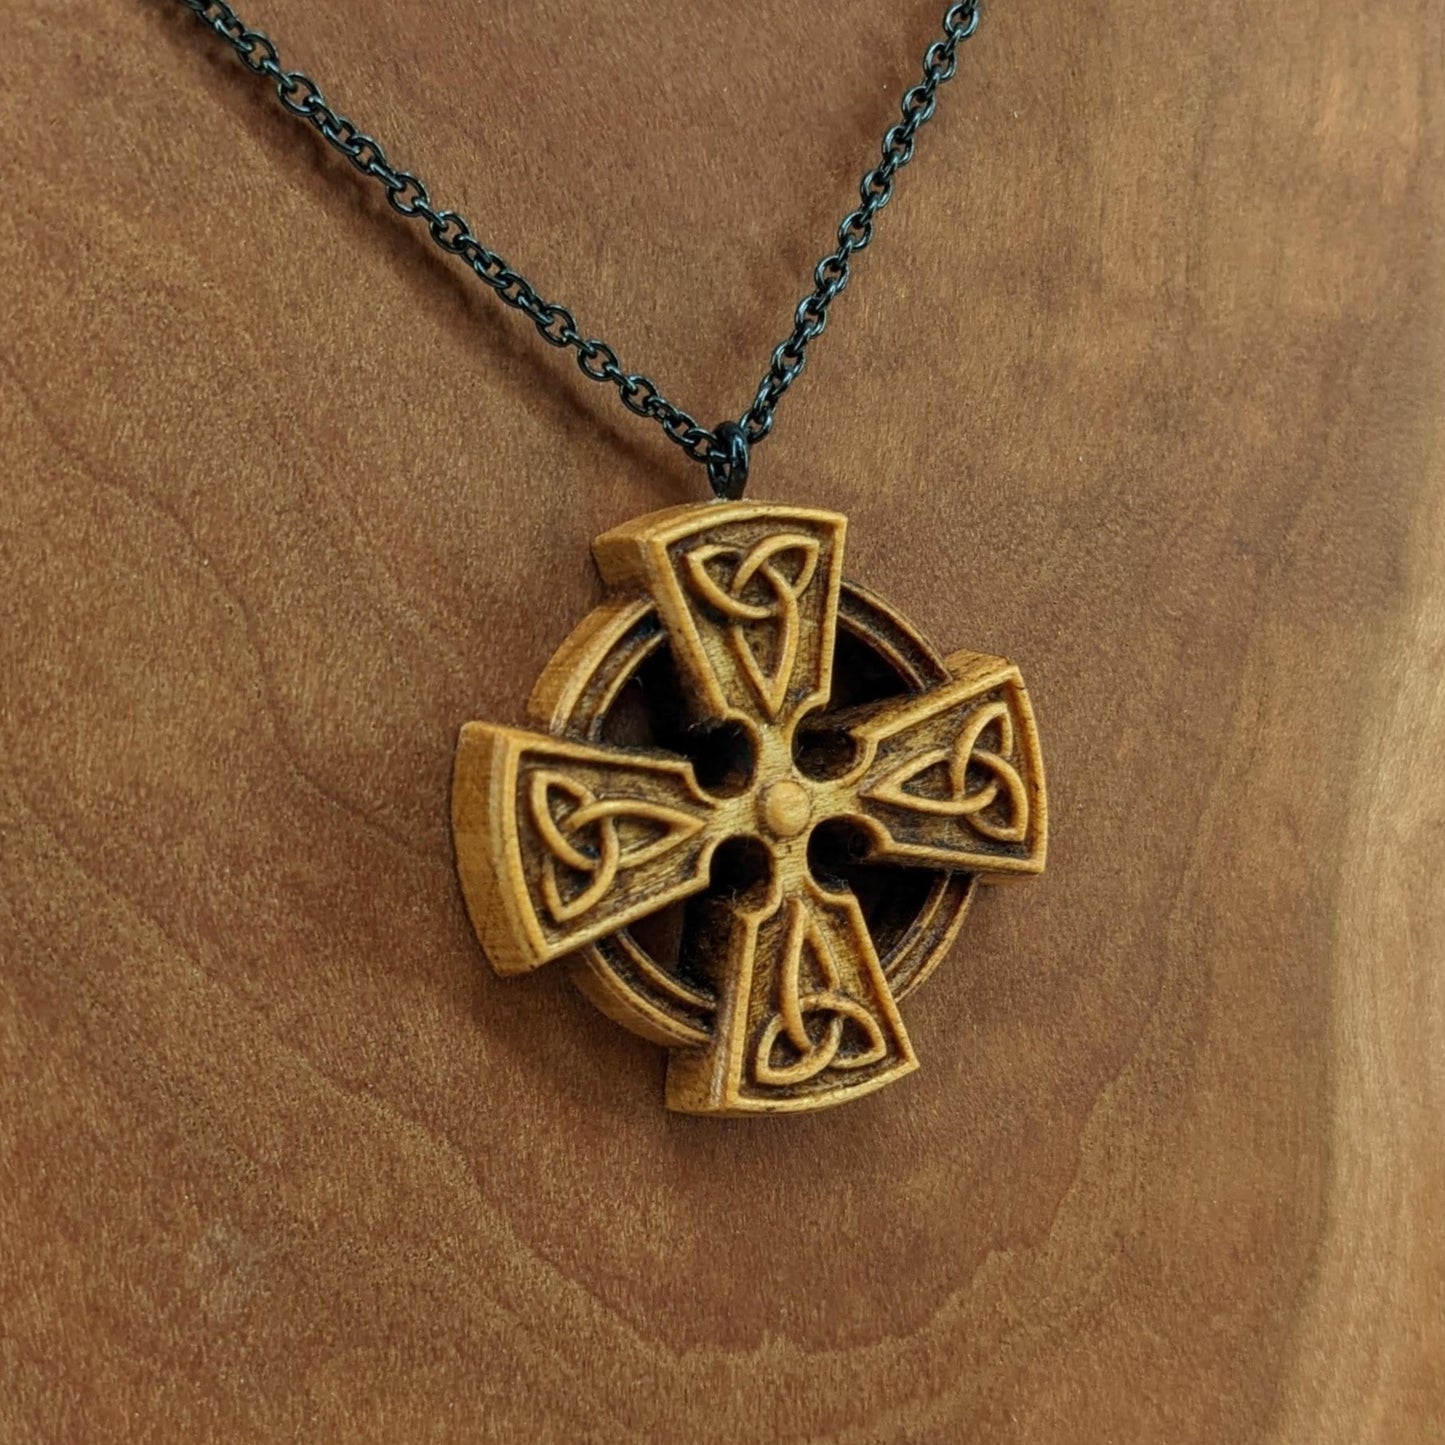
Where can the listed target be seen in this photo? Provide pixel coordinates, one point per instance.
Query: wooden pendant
(757, 812)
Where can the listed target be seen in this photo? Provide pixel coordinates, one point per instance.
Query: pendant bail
(727, 466)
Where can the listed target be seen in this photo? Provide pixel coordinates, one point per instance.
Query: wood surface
(1140, 386)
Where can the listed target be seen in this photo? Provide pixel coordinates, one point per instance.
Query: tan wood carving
(780, 997)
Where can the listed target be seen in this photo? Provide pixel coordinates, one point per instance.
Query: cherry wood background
(1141, 386)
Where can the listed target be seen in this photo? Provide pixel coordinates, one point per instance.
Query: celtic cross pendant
(756, 868)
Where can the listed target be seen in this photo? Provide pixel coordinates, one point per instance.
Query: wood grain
(1141, 386)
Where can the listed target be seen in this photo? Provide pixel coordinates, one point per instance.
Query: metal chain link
(725, 449)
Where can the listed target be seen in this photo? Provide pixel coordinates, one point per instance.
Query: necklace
(756, 803)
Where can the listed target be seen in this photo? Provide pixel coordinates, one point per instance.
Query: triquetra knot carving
(758, 588)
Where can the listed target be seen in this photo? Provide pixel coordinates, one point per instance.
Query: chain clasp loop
(727, 463)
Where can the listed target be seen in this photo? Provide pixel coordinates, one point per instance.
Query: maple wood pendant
(780, 997)
(755, 869)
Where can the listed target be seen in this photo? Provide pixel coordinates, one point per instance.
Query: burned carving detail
(756, 592)
(807, 1033)
(973, 779)
(594, 839)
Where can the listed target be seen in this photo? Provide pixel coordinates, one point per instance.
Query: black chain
(725, 449)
